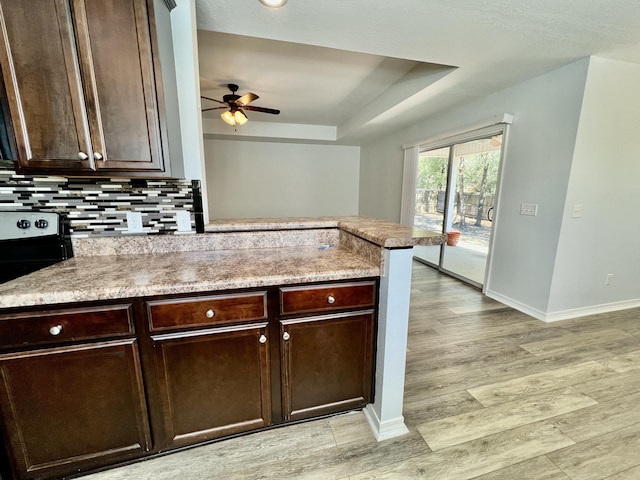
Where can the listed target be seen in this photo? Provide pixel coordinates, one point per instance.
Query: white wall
(540, 146)
(266, 179)
(185, 45)
(381, 166)
(178, 50)
(605, 180)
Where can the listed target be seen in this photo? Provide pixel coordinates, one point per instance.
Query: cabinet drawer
(209, 310)
(320, 298)
(57, 326)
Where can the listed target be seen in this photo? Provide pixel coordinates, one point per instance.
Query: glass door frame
(410, 180)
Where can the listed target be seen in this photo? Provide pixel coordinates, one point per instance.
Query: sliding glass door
(455, 193)
(431, 194)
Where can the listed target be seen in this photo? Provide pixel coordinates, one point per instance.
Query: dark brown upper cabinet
(83, 86)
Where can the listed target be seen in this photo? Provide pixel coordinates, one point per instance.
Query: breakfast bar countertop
(379, 232)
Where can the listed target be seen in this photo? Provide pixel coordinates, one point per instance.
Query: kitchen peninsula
(158, 333)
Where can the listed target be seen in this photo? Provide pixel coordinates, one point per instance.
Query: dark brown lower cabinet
(84, 395)
(326, 363)
(81, 406)
(213, 382)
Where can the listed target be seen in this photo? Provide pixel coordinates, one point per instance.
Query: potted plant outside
(452, 238)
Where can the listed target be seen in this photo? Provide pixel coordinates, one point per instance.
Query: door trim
(497, 125)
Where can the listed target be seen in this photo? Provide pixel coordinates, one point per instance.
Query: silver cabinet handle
(331, 299)
(82, 156)
(286, 336)
(262, 339)
(210, 313)
(97, 155)
(55, 330)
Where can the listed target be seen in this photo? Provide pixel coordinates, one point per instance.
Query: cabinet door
(81, 85)
(118, 73)
(213, 382)
(43, 85)
(326, 363)
(72, 408)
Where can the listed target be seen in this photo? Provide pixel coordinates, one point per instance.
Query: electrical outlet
(609, 279)
(134, 222)
(183, 219)
(577, 211)
(530, 209)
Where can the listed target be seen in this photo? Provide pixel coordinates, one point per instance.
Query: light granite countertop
(233, 254)
(388, 234)
(379, 232)
(285, 223)
(110, 277)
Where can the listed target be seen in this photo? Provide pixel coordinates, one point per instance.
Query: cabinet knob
(82, 156)
(210, 313)
(286, 336)
(331, 299)
(97, 155)
(262, 339)
(55, 330)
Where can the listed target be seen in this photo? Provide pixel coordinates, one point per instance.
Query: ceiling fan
(236, 105)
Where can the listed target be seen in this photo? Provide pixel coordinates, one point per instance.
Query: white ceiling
(345, 70)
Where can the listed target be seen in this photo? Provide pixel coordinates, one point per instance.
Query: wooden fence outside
(432, 201)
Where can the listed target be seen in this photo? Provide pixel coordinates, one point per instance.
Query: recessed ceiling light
(273, 3)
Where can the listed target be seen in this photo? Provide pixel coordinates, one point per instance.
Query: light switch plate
(530, 209)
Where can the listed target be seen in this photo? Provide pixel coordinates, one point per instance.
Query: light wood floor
(490, 394)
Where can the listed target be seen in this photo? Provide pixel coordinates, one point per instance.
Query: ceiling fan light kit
(273, 3)
(235, 103)
(237, 117)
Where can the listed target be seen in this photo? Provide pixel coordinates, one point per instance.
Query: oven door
(26, 255)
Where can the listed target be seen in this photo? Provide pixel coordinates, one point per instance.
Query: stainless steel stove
(31, 240)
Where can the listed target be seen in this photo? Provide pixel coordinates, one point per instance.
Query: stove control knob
(23, 223)
(41, 223)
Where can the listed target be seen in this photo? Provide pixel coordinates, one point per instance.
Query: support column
(385, 414)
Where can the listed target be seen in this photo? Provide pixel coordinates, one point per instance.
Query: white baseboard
(563, 314)
(387, 429)
(591, 310)
(521, 307)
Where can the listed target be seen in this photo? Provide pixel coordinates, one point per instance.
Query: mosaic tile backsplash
(100, 206)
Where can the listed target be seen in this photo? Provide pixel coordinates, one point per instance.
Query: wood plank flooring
(491, 394)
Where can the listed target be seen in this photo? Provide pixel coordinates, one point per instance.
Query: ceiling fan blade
(262, 109)
(247, 98)
(213, 108)
(212, 99)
